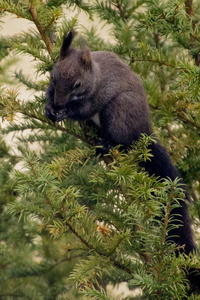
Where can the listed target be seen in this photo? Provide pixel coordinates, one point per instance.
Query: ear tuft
(67, 40)
(86, 60)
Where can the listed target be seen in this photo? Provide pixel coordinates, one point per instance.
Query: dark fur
(99, 86)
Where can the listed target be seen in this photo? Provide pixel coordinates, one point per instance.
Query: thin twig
(187, 120)
(116, 263)
(161, 63)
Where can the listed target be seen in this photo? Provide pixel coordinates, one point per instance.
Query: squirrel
(99, 87)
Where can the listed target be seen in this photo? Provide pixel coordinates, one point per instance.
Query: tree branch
(189, 7)
(161, 63)
(40, 28)
(186, 120)
(116, 263)
(190, 12)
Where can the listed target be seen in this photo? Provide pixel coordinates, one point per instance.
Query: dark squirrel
(100, 87)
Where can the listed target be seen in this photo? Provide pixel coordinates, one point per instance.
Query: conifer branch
(116, 263)
(168, 210)
(85, 242)
(189, 7)
(165, 225)
(67, 259)
(122, 13)
(190, 12)
(70, 191)
(51, 22)
(32, 169)
(59, 127)
(170, 133)
(40, 28)
(186, 120)
(161, 63)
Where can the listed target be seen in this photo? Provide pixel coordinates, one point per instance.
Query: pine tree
(72, 222)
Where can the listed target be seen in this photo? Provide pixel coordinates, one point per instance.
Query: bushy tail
(161, 166)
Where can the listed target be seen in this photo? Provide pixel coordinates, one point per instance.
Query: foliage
(72, 222)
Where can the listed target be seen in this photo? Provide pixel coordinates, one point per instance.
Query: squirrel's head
(72, 77)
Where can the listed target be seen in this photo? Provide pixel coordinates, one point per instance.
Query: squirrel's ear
(67, 40)
(86, 60)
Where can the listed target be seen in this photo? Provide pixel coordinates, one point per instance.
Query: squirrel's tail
(161, 166)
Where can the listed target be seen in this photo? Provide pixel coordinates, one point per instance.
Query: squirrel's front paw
(103, 147)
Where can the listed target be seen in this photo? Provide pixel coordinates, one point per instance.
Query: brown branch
(194, 37)
(116, 263)
(189, 7)
(174, 138)
(67, 259)
(161, 63)
(32, 169)
(190, 12)
(187, 120)
(51, 22)
(40, 28)
(153, 61)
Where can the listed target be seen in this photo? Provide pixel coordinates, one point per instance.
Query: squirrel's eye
(77, 84)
